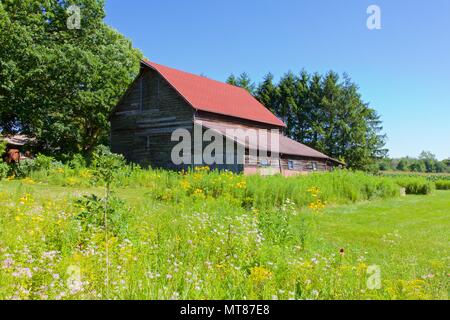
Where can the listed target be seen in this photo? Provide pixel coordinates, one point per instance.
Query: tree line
(325, 112)
(426, 163)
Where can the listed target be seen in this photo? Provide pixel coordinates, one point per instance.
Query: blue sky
(403, 70)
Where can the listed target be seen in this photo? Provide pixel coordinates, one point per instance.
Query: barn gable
(143, 121)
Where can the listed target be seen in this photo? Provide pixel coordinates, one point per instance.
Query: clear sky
(403, 70)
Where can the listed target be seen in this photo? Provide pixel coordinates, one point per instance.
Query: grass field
(162, 245)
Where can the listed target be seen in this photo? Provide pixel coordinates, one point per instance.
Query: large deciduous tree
(60, 84)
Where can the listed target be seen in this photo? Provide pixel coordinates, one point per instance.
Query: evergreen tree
(267, 94)
(287, 102)
(246, 83)
(232, 80)
(325, 113)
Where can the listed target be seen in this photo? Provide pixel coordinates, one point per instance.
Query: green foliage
(242, 81)
(59, 85)
(324, 112)
(92, 215)
(416, 185)
(107, 165)
(443, 184)
(4, 170)
(41, 163)
(2, 148)
(77, 162)
(426, 162)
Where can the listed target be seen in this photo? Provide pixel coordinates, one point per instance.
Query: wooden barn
(17, 148)
(163, 101)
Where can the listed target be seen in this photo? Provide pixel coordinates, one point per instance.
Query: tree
(417, 166)
(429, 161)
(440, 167)
(287, 102)
(246, 83)
(232, 80)
(446, 162)
(107, 165)
(60, 85)
(403, 165)
(326, 113)
(267, 93)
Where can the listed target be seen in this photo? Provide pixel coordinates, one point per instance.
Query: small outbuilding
(16, 147)
(173, 119)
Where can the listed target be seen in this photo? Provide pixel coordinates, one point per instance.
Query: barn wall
(264, 165)
(303, 165)
(143, 122)
(222, 155)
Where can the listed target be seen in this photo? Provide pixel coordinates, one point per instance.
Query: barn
(17, 147)
(175, 120)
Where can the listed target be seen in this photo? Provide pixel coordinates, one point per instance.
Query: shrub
(416, 185)
(23, 169)
(443, 184)
(77, 162)
(93, 213)
(4, 170)
(41, 163)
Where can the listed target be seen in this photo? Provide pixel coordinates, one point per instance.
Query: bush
(93, 214)
(23, 169)
(4, 170)
(416, 185)
(443, 185)
(42, 162)
(39, 164)
(78, 162)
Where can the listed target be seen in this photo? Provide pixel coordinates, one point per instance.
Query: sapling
(106, 167)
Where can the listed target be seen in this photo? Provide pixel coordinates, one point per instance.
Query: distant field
(180, 238)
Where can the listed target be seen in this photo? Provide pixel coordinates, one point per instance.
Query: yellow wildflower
(260, 274)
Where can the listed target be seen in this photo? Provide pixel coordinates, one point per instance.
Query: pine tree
(267, 94)
(246, 83)
(232, 80)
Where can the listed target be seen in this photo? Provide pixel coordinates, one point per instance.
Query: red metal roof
(216, 97)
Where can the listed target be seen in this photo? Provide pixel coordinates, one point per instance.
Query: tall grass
(250, 191)
(416, 185)
(443, 184)
(192, 235)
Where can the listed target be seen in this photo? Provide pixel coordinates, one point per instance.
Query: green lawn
(205, 250)
(404, 236)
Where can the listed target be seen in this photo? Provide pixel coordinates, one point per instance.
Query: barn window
(291, 165)
(314, 166)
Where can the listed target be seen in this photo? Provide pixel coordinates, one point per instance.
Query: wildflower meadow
(154, 234)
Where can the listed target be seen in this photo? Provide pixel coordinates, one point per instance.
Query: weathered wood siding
(144, 120)
(229, 151)
(303, 165)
